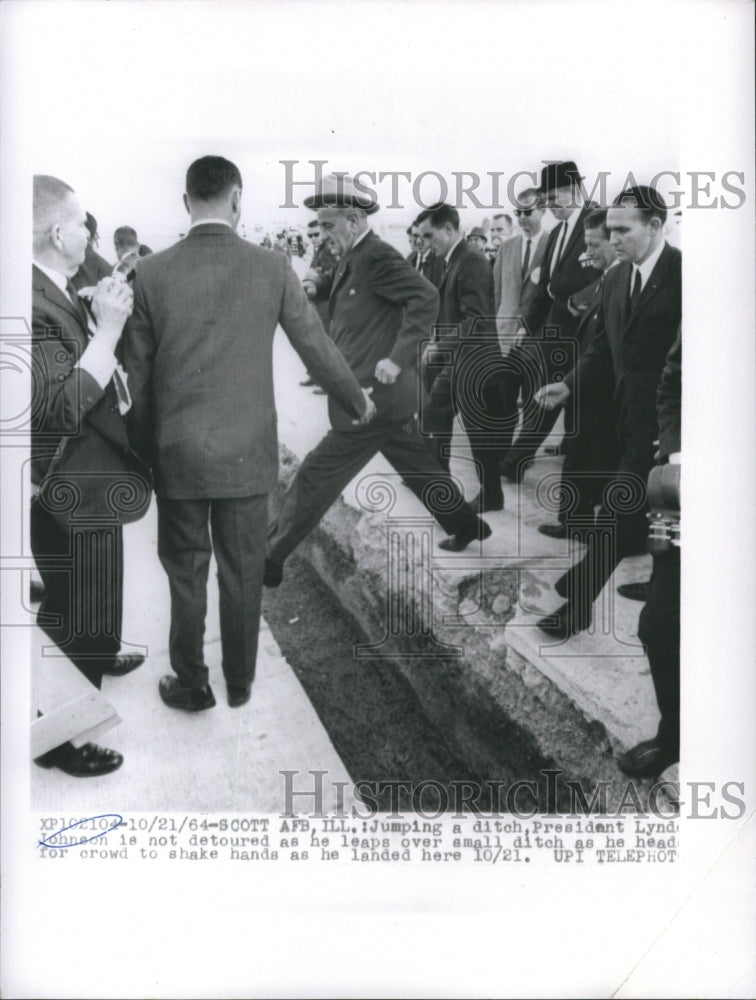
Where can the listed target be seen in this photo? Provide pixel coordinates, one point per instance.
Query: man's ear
(55, 236)
(186, 204)
(236, 201)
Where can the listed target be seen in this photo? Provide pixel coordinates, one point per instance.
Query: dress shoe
(634, 591)
(88, 761)
(647, 760)
(238, 696)
(119, 666)
(175, 695)
(308, 382)
(561, 531)
(273, 574)
(483, 505)
(564, 622)
(36, 591)
(460, 541)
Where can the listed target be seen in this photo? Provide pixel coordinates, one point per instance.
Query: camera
(664, 513)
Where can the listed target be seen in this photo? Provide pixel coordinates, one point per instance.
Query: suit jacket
(78, 438)
(94, 269)
(514, 292)
(630, 350)
(669, 400)
(549, 304)
(432, 267)
(199, 353)
(381, 307)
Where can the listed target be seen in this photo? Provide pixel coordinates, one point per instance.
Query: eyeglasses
(519, 212)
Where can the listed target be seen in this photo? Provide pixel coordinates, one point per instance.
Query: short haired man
(381, 308)
(501, 229)
(79, 449)
(561, 274)
(516, 275)
(469, 385)
(423, 257)
(591, 455)
(199, 353)
(639, 315)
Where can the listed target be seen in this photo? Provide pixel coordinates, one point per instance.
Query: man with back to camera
(381, 309)
(199, 353)
(640, 312)
(79, 449)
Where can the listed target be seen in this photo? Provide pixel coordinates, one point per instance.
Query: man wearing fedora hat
(381, 308)
(562, 274)
(477, 238)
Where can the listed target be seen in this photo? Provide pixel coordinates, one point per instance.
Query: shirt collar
(209, 222)
(57, 278)
(648, 264)
(359, 239)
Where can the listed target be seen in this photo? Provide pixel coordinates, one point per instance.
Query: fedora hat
(557, 175)
(339, 191)
(477, 231)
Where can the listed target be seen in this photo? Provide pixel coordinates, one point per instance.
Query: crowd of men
(159, 372)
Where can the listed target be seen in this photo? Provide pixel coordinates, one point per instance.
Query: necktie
(636, 292)
(420, 261)
(526, 260)
(560, 248)
(77, 303)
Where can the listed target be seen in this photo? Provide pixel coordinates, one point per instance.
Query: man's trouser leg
(659, 631)
(432, 484)
(184, 550)
(239, 531)
(537, 365)
(484, 426)
(319, 481)
(85, 594)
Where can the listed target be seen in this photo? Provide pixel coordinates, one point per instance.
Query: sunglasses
(519, 212)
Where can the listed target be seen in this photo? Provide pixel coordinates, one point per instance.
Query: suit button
(114, 408)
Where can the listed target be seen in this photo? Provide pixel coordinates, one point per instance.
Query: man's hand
(309, 287)
(553, 395)
(519, 336)
(112, 304)
(386, 371)
(370, 409)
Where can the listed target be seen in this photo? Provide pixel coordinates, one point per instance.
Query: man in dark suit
(381, 309)
(199, 354)
(95, 267)
(548, 323)
(317, 283)
(81, 459)
(591, 454)
(659, 624)
(640, 312)
(463, 364)
(423, 258)
(516, 272)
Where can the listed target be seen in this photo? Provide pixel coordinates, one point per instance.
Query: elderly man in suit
(516, 272)
(199, 354)
(640, 312)
(463, 364)
(80, 452)
(381, 309)
(548, 323)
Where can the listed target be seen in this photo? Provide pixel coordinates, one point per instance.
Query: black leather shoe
(318, 391)
(483, 505)
(88, 761)
(647, 760)
(175, 695)
(564, 622)
(238, 696)
(634, 591)
(460, 541)
(119, 666)
(36, 591)
(553, 530)
(561, 531)
(273, 574)
(308, 382)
